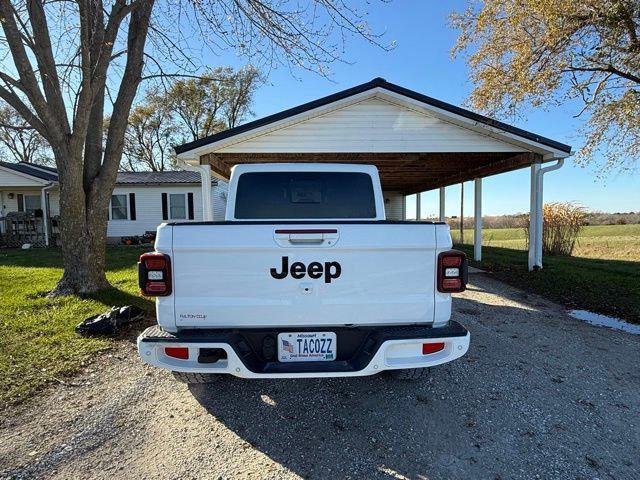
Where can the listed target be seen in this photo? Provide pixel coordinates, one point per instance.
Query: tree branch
(136, 38)
(14, 101)
(46, 63)
(605, 69)
(28, 81)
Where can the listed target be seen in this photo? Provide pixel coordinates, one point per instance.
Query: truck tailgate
(367, 273)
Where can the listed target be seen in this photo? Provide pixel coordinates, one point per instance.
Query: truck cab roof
(311, 191)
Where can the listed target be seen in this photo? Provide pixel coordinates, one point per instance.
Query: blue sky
(421, 62)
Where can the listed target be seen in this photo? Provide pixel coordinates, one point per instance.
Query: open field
(620, 242)
(37, 337)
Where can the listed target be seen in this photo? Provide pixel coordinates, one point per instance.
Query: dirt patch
(538, 394)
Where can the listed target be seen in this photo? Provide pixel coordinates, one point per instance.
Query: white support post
(533, 215)
(45, 215)
(418, 206)
(205, 178)
(539, 202)
(207, 212)
(442, 216)
(461, 213)
(477, 217)
(539, 232)
(2, 212)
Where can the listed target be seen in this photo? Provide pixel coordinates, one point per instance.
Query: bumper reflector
(428, 348)
(177, 352)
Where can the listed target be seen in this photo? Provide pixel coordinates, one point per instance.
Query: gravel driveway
(539, 395)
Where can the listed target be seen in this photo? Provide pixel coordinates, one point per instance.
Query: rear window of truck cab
(304, 195)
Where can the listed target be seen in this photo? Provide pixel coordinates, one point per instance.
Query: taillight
(452, 271)
(154, 274)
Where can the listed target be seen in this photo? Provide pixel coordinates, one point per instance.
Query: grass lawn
(603, 285)
(620, 242)
(37, 337)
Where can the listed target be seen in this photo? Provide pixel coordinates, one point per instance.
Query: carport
(418, 144)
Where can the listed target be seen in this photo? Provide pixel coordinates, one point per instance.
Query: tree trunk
(87, 172)
(83, 233)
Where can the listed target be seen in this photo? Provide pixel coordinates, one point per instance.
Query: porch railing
(19, 228)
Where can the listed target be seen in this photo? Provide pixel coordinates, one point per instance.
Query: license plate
(307, 346)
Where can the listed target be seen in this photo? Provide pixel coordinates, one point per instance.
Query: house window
(32, 203)
(177, 206)
(119, 207)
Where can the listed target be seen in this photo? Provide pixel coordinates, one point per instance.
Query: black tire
(410, 373)
(192, 378)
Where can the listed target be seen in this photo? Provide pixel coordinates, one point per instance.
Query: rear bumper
(361, 350)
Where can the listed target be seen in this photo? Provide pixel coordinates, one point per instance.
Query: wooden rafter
(404, 172)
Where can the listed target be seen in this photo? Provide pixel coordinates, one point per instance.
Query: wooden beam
(220, 168)
(405, 172)
(493, 168)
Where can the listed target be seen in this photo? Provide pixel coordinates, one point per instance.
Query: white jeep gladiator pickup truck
(304, 278)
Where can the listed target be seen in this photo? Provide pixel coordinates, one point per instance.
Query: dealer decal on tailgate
(315, 270)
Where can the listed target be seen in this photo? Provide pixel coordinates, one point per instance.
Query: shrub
(561, 225)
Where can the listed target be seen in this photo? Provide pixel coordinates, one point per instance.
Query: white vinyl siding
(149, 207)
(8, 204)
(219, 200)
(393, 205)
(11, 204)
(371, 125)
(148, 201)
(54, 202)
(9, 178)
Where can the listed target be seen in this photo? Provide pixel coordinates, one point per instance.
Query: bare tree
(63, 60)
(20, 140)
(150, 136)
(239, 91)
(187, 109)
(217, 100)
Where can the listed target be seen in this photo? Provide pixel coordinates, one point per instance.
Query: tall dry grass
(561, 225)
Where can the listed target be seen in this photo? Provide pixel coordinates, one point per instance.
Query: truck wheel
(410, 373)
(185, 377)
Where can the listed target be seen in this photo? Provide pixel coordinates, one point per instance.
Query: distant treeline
(519, 220)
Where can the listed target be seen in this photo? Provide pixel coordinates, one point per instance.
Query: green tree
(546, 52)
(218, 100)
(189, 109)
(64, 64)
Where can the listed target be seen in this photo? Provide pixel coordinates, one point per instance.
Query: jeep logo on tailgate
(315, 270)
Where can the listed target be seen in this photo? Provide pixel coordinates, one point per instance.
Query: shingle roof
(124, 178)
(45, 167)
(43, 173)
(179, 176)
(375, 83)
